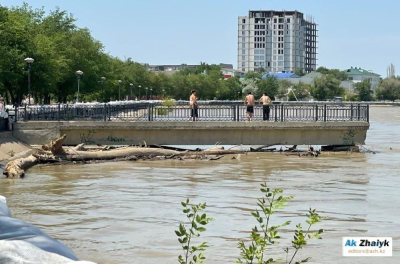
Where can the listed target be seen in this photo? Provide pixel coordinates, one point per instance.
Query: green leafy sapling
(301, 237)
(197, 220)
(266, 234)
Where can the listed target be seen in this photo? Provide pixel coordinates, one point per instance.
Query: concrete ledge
(193, 133)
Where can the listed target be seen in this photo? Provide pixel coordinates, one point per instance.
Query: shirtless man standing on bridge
(266, 101)
(194, 114)
(250, 106)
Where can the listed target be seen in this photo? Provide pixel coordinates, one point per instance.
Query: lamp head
(29, 60)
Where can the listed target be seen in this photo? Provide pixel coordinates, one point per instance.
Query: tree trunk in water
(16, 168)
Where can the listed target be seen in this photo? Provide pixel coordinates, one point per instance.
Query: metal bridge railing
(207, 111)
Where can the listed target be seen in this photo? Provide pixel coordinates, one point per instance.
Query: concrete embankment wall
(11, 148)
(193, 133)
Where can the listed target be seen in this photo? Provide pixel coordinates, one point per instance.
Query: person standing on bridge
(194, 114)
(249, 100)
(266, 101)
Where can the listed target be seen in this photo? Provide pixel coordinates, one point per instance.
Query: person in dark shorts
(266, 101)
(194, 112)
(249, 101)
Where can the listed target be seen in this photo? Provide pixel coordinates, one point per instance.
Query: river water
(126, 212)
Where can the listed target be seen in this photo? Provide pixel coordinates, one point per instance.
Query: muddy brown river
(127, 212)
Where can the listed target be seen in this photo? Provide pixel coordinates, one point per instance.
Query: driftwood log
(16, 168)
(55, 152)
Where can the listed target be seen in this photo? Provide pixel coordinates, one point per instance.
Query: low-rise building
(358, 75)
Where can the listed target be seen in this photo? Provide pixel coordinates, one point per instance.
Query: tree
(249, 85)
(322, 70)
(363, 89)
(338, 74)
(299, 72)
(301, 90)
(391, 71)
(269, 85)
(283, 88)
(389, 89)
(326, 87)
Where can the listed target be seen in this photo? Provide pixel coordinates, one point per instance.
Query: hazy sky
(361, 33)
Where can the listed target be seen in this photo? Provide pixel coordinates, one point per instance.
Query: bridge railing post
(234, 112)
(276, 113)
(238, 113)
(26, 117)
(368, 113)
(351, 112)
(324, 112)
(16, 114)
(58, 112)
(358, 112)
(148, 112)
(109, 112)
(282, 112)
(316, 113)
(105, 112)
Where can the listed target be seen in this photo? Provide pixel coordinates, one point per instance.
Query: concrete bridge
(193, 133)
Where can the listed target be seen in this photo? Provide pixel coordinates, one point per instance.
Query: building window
(288, 20)
(280, 58)
(243, 51)
(256, 51)
(243, 64)
(243, 33)
(243, 58)
(243, 45)
(243, 27)
(262, 51)
(243, 20)
(243, 39)
(280, 63)
(262, 58)
(243, 69)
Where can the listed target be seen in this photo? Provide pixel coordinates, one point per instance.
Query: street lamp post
(146, 93)
(151, 93)
(29, 62)
(238, 95)
(102, 87)
(78, 75)
(131, 85)
(163, 93)
(119, 90)
(139, 92)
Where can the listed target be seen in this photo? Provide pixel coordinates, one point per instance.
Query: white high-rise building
(277, 41)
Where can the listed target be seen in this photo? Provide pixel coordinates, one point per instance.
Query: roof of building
(359, 71)
(313, 75)
(281, 75)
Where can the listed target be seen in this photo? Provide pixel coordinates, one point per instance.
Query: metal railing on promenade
(218, 111)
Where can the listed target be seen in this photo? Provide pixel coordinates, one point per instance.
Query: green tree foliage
(186, 232)
(338, 74)
(299, 72)
(265, 234)
(301, 90)
(283, 88)
(389, 89)
(60, 48)
(363, 89)
(326, 87)
(269, 85)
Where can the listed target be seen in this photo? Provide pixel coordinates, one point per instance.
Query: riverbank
(11, 148)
